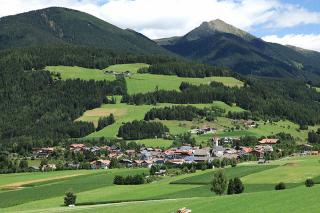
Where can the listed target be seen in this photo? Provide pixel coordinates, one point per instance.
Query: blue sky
(294, 22)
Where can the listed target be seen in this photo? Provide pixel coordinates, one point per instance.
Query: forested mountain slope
(62, 25)
(219, 43)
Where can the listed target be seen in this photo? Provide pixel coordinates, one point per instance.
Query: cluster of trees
(266, 99)
(8, 165)
(129, 180)
(220, 183)
(105, 121)
(137, 130)
(185, 138)
(314, 137)
(187, 113)
(186, 69)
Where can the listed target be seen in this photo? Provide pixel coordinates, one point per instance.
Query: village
(175, 156)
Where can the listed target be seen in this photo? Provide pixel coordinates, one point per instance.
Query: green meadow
(96, 192)
(138, 83)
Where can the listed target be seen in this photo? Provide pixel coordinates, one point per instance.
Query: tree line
(266, 99)
(186, 69)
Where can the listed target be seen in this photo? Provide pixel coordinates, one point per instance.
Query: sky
(288, 22)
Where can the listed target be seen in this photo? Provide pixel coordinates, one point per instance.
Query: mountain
(219, 43)
(62, 25)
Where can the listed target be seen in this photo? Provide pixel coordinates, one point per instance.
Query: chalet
(270, 141)
(202, 155)
(100, 164)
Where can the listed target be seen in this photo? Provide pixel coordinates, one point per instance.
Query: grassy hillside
(61, 25)
(138, 83)
(191, 190)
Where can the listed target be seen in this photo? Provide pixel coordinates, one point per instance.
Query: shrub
(280, 186)
(237, 186)
(309, 182)
(70, 199)
(230, 187)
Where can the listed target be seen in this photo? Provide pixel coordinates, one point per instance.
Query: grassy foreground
(190, 190)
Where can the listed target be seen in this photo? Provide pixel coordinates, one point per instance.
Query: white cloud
(306, 41)
(164, 18)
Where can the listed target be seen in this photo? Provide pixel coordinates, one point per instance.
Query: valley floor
(96, 192)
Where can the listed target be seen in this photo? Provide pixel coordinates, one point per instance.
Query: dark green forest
(137, 130)
(265, 98)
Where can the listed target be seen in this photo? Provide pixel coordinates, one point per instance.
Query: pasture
(96, 193)
(138, 83)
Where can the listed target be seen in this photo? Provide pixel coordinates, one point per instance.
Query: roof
(77, 145)
(269, 141)
(218, 149)
(201, 152)
(106, 162)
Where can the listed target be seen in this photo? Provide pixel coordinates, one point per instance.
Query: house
(43, 152)
(176, 161)
(137, 163)
(131, 153)
(147, 163)
(145, 155)
(100, 164)
(201, 155)
(95, 149)
(77, 147)
(48, 167)
(270, 141)
(249, 123)
(218, 151)
(126, 162)
(161, 172)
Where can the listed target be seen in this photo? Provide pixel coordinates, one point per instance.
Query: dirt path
(18, 185)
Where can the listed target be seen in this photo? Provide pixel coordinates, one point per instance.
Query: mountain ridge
(63, 25)
(221, 44)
